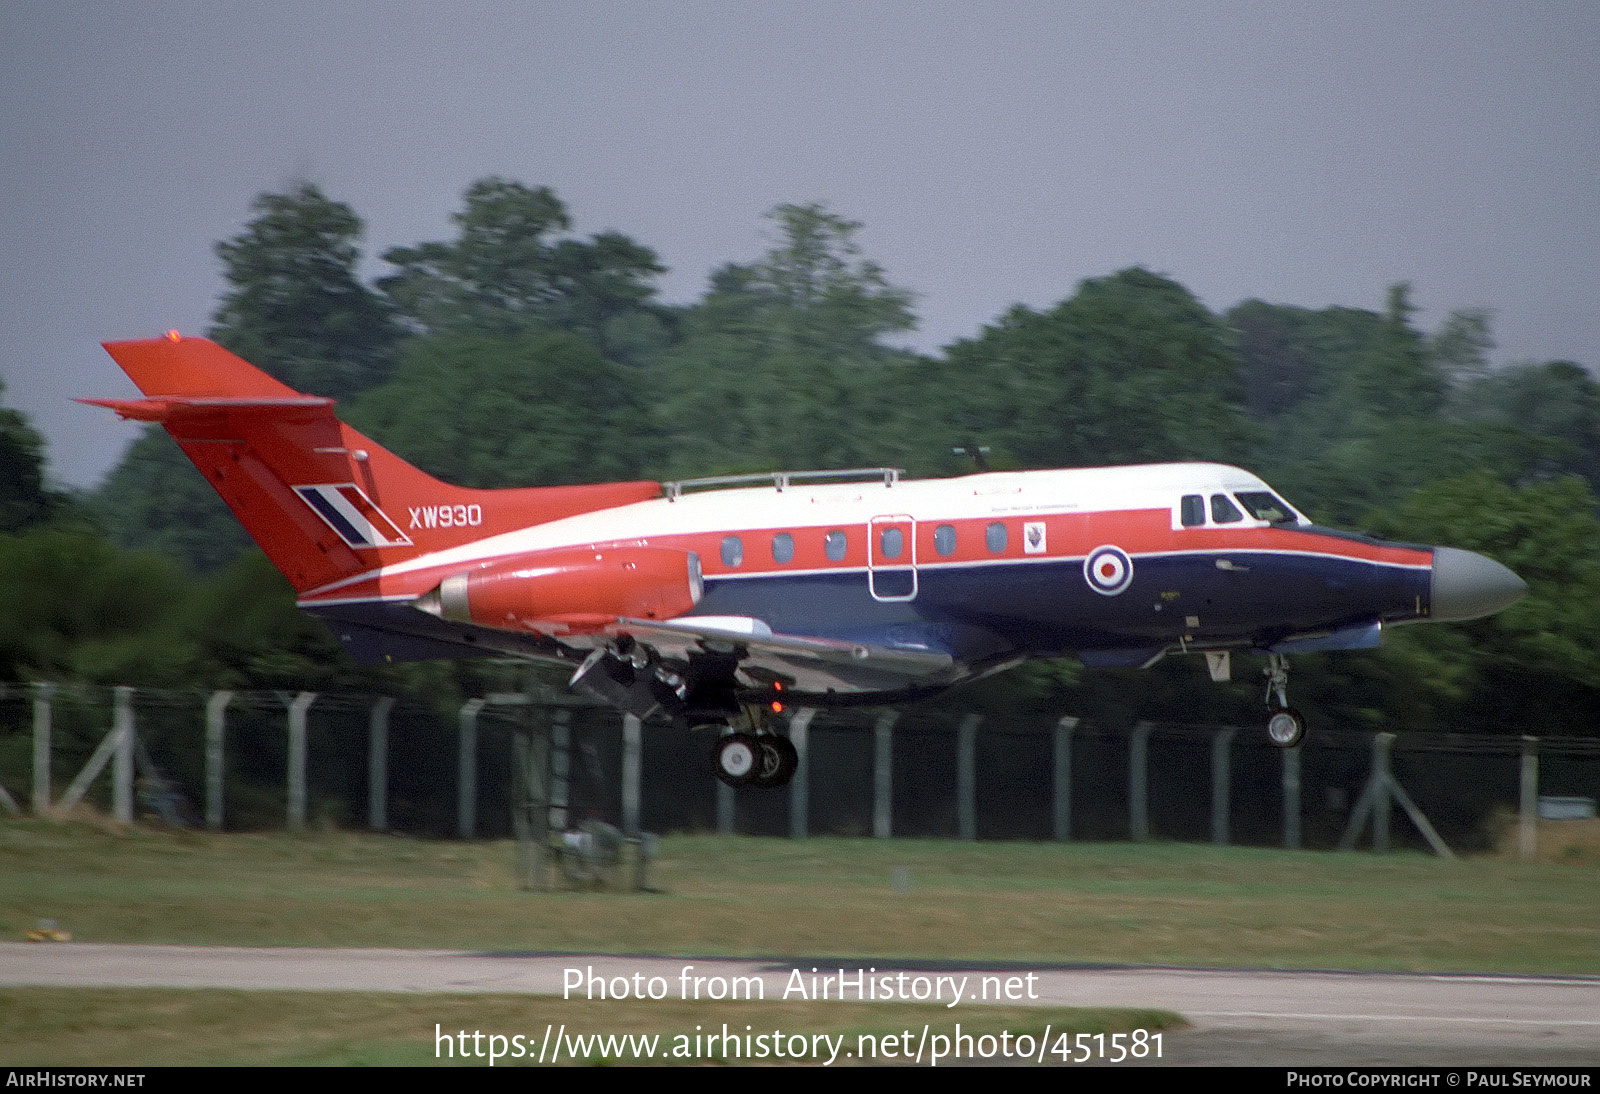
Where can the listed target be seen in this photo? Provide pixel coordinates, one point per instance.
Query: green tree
(248, 633)
(507, 270)
(782, 364)
(73, 607)
(1558, 400)
(1353, 400)
(297, 307)
(1461, 346)
(540, 407)
(814, 291)
(1131, 368)
(1396, 377)
(155, 500)
(1534, 667)
(1291, 357)
(24, 499)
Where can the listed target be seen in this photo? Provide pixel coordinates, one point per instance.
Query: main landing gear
(1285, 727)
(753, 755)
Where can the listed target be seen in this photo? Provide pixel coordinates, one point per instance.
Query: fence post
(43, 700)
(799, 786)
(632, 768)
(1138, 785)
(1381, 805)
(1063, 777)
(530, 789)
(1528, 806)
(216, 728)
(467, 769)
(1221, 785)
(561, 769)
(122, 766)
(1291, 798)
(725, 801)
(967, 776)
(883, 774)
(378, 764)
(298, 707)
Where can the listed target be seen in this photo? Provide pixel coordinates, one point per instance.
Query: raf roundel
(1108, 570)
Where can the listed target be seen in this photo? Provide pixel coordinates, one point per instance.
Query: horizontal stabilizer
(160, 410)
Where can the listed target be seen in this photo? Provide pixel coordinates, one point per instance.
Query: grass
(130, 1028)
(1142, 904)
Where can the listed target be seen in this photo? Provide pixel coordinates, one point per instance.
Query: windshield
(1267, 506)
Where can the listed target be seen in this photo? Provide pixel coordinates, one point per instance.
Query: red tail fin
(320, 499)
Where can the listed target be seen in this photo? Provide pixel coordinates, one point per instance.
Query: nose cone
(1466, 585)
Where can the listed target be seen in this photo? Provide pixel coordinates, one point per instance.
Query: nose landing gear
(1285, 726)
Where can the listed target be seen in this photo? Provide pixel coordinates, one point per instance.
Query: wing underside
(799, 663)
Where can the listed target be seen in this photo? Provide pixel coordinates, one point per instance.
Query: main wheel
(778, 761)
(736, 759)
(1285, 727)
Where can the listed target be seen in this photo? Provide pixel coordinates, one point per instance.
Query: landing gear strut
(1285, 727)
(753, 755)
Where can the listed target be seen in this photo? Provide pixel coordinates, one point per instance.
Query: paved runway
(1238, 1016)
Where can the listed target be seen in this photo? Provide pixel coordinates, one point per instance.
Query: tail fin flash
(323, 501)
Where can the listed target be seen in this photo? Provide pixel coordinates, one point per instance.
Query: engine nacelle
(571, 589)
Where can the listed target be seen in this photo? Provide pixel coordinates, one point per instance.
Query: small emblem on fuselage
(1033, 542)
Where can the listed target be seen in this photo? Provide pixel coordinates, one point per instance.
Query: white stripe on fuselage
(846, 505)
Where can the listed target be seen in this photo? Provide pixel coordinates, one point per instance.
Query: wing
(800, 663)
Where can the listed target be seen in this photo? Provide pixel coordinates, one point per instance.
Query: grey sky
(1307, 154)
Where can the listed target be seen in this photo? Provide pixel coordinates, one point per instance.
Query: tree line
(517, 353)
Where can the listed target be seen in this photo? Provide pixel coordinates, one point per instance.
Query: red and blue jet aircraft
(717, 601)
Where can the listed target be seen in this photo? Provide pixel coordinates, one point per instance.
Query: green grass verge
(1156, 903)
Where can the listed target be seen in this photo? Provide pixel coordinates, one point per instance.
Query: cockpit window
(1193, 510)
(1224, 511)
(1268, 507)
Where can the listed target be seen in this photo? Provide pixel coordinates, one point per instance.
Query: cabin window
(1193, 510)
(891, 542)
(944, 539)
(834, 545)
(1224, 511)
(1267, 506)
(732, 551)
(783, 547)
(994, 537)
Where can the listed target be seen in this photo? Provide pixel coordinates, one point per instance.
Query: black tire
(1285, 727)
(779, 761)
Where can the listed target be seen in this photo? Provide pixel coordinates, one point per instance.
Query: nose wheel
(1285, 726)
